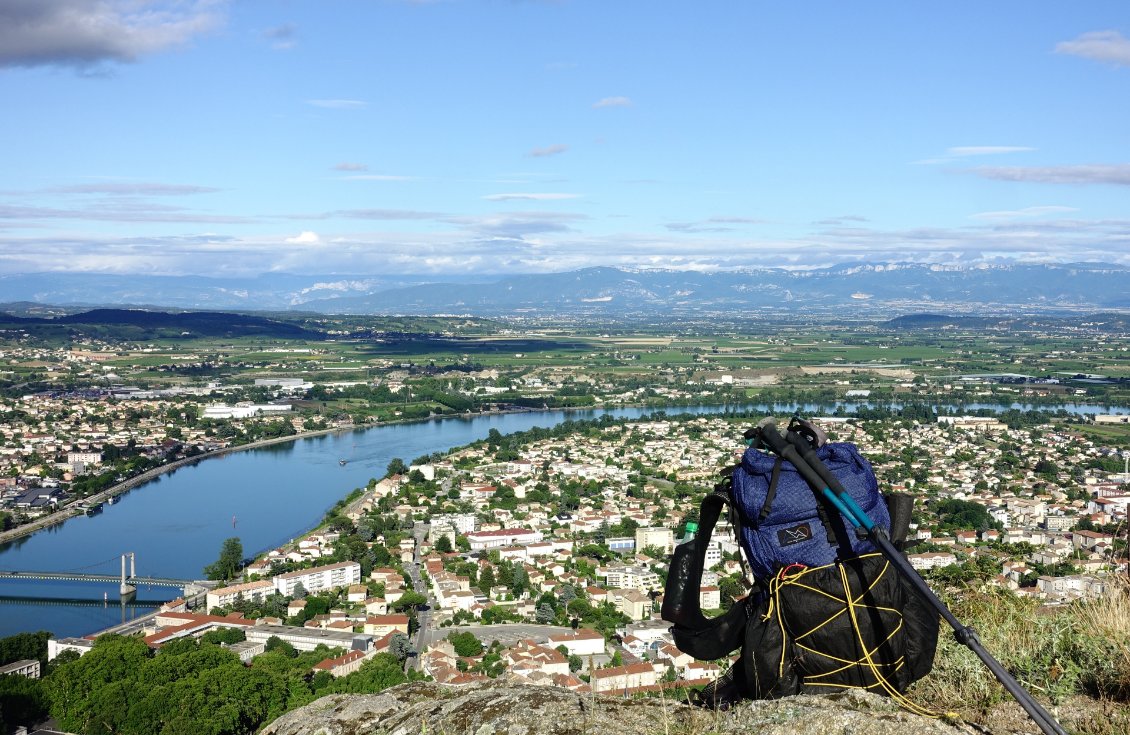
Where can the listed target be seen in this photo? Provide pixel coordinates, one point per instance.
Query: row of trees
(189, 687)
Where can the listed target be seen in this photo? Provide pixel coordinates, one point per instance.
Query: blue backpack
(827, 610)
(784, 523)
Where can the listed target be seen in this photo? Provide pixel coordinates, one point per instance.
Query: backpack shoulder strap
(704, 638)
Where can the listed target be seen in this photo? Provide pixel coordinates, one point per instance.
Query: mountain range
(861, 289)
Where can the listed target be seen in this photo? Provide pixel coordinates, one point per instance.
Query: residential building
(342, 665)
(627, 678)
(628, 577)
(331, 576)
(226, 596)
(380, 625)
(55, 646)
(27, 667)
(307, 639)
(932, 560)
(482, 540)
(580, 642)
(663, 538)
(633, 603)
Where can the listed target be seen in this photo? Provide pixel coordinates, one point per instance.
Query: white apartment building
(243, 410)
(664, 538)
(307, 639)
(330, 576)
(624, 577)
(931, 560)
(459, 522)
(28, 667)
(225, 596)
(582, 642)
(482, 540)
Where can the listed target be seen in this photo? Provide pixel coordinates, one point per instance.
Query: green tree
(230, 561)
(274, 643)
(545, 614)
(399, 646)
(466, 644)
(409, 600)
(378, 673)
(24, 646)
(227, 636)
(396, 467)
(22, 701)
(443, 545)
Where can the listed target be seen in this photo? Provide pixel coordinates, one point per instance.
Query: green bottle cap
(692, 528)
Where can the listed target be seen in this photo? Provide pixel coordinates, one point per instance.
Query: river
(265, 496)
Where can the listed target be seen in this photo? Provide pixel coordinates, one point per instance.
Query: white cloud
(966, 151)
(1117, 174)
(132, 189)
(1109, 46)
(114, 210)
(537, 197)
(305, 238)
(83, 34)
(612, 102)
(347, 166)
(521, 242)
(549, 150)
(333, 104)
(841, 220)
(1023, 213)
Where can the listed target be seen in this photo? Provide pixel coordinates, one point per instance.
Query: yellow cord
(793, 575)
(890, 689)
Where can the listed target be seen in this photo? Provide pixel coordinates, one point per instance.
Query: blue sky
(360, 137)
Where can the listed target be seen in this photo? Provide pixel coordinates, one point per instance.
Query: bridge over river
(128, 581)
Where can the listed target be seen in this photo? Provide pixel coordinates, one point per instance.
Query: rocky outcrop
(516, 709)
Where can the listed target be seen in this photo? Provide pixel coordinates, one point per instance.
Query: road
(423, 617)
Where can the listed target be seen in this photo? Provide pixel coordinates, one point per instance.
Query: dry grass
(1107, 622)
(1064, 656)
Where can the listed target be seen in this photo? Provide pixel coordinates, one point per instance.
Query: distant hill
(871, 290)
(856, 289)
(1108, 322)
(939, 321)
(137, 323)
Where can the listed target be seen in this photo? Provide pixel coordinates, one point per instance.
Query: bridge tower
(126, 589)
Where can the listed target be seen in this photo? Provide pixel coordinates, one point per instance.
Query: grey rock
(517, 709)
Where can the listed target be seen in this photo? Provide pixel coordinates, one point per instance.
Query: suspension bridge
(128, 580)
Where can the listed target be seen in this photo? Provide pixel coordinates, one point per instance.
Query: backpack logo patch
(794, 535)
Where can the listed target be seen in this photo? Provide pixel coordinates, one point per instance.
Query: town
(542, 555)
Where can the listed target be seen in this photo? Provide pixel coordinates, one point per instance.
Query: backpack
(797, 632)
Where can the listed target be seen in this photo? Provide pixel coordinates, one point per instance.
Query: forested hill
(1106, 322)
(143, 324)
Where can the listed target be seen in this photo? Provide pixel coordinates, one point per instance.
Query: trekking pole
(801, 454)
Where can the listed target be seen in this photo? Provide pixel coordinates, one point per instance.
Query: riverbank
(72, 511)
